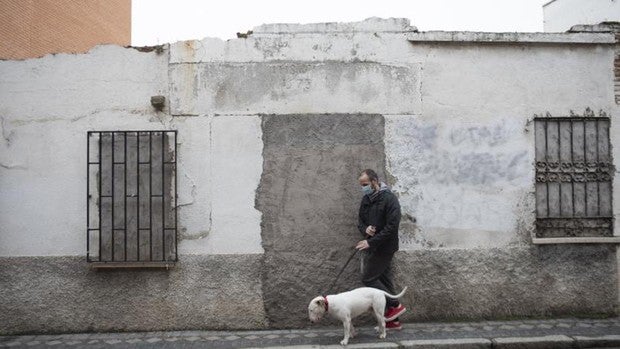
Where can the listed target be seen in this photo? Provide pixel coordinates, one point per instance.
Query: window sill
(577, 240)
(102, 265)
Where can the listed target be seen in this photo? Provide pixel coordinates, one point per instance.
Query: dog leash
(341, 271)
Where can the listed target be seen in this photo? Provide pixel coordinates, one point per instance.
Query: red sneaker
(393, 325)
(394, 312)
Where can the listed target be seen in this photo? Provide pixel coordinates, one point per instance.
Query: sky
(164, 21)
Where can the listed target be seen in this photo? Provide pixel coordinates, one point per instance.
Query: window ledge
(101, 265)
(577, 240)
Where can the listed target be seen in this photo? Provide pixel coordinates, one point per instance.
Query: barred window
(131, 198)
(573, 176)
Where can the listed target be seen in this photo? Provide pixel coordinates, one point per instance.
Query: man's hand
(371, 230)
(362, 245)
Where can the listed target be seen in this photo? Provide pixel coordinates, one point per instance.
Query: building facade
(272, 131)
(34, 28)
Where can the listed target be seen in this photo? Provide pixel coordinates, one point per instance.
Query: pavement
(548, 333)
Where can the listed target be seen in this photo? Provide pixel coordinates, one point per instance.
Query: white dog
(348, 305)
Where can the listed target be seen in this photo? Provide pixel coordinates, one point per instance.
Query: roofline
(594, 38)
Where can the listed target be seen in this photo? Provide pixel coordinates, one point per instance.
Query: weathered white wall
(458, 136)
(46, 107)
(466, 184)
(294, 87)
(465, 165)
(561, 15)
(221, 218)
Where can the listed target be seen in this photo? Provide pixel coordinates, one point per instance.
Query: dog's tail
(398, 295)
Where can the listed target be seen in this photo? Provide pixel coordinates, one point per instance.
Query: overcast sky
(163, 21)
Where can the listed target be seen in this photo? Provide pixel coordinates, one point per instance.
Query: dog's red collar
(326, 303)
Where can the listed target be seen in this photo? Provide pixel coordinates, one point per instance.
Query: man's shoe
(394, 312)
(393, 325)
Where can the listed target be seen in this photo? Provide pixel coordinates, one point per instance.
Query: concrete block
(545, 342)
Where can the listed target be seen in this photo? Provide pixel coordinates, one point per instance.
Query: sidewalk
(554, 333)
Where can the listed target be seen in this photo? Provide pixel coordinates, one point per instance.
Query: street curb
(459, 343)
(386, 345)
(595, 342)
(558, 333)
(545, 342)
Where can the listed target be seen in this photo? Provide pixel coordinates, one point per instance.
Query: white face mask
(367, 189)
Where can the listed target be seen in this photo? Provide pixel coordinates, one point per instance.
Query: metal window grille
(131, 198)
(573, 176)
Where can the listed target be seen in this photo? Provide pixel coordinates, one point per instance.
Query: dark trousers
(377, 273)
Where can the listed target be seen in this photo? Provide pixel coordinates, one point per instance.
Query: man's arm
(361, 225)
(392, 221)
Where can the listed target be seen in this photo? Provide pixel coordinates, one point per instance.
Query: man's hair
(372, 175)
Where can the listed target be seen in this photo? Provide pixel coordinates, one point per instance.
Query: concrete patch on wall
(62, 294)
(282, 88)
(484, 283)
(309, 198)
(459, 183)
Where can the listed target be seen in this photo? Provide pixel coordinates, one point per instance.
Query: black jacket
(384, 213)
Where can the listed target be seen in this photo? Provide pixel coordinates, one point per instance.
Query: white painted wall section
(46, 107)
(463, 182)
(235, 166)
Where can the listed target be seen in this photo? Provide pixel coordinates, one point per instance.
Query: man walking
(379, 217)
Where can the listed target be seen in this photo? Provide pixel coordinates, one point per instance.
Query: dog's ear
(320, 302)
